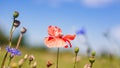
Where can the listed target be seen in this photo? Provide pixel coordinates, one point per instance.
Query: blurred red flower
(57, 39)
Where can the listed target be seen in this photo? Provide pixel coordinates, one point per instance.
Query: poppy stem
(75, 60)
(10, 43)
(9, 61)
(57, 58)
(11, 33)
(91, 65)
(19, 40)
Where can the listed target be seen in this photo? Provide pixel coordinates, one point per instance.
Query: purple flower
(13, 51)
(81, 31)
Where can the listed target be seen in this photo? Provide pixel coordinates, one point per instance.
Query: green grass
(65, 59)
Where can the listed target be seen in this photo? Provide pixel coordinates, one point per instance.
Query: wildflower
(13, 51)
(16, 14)
(23, 30)
(56, 38)
(82, 31)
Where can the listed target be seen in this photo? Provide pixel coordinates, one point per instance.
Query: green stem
(10, 43)
(20, 37)
(11, 32)
(57, 58)
(9, 61)
(20, 66)
(75, 60)
(19, 40)
(91, 65)
(30, 62)
(4, 59)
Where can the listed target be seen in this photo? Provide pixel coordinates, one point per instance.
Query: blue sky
(96, 16)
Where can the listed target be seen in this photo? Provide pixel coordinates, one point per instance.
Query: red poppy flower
(56, 39)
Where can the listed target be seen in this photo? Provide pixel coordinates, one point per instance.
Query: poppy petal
(54, 31)
(69, 37)
(55, 42)
(69, 43)
(49, 38)
(66, 46)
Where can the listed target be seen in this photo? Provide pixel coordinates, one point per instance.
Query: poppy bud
(76, 50)
(16, 14)
(16, 23)
(93, 53)
(92, 60)
(23, 30)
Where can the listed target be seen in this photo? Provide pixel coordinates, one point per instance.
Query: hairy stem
(57, 58)
(75, 60)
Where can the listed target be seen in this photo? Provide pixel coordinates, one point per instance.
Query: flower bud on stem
(76, 50)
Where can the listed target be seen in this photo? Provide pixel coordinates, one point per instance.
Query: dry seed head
(49, 63)
(23, 30)
(20, 63)
(34, 65)
(31, 58)
(16, 23)
(16, 14)
(26, 56)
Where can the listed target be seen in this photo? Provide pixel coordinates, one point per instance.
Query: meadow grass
(65, 60)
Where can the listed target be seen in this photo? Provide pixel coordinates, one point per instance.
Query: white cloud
(87, 3)
(97, 3)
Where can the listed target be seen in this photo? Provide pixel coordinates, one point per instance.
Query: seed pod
(20, 63)
(49, 63)
(16, 14)
(93, 53)
(31, 58)
(26, 56)
(16, 23)
(92, 60)
(34, 65)
(76, 50)
(23, 30)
